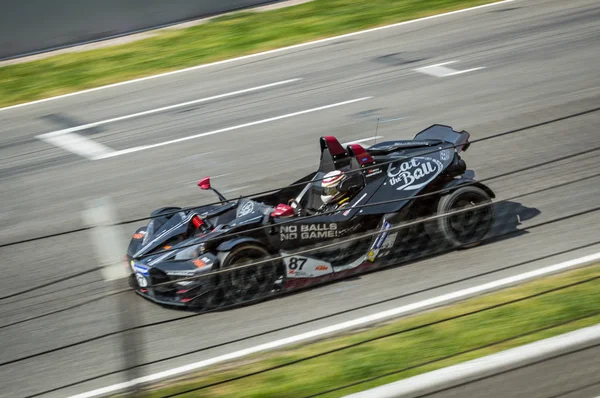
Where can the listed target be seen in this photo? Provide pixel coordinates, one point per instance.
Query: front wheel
(467, 227)
(245, 281)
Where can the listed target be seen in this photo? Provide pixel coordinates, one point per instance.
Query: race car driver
(331, 196)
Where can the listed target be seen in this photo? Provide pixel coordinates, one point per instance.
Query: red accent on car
(181, 291)
(143, 290)
(204, 183)
(283, 211)
(361, 155)
(197, 221)
(334, 146)
(185, 300)
(297, 283)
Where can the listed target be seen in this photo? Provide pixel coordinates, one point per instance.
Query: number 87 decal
(297, 262)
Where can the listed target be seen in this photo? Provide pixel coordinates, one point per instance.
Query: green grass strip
(417, 344)
(224, 37)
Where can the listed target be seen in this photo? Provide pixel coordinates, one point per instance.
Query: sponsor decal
(385, 241)
(300, 274)
(373, 172)
(371, 256)
(139, 268)
(199, 263)
(141, 280)
(413, 173)
(445, 154)
(308, 231)
(390, 240)
(202, 262)
(180, 273)
(348, 231)
(306, 267)
(246, 208)
(381, 237)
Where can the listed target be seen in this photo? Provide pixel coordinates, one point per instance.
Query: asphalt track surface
(540, 66)
(571, 375)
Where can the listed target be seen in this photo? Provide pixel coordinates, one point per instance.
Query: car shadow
(509, 216)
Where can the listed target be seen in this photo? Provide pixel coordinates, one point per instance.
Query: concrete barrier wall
(29, 26)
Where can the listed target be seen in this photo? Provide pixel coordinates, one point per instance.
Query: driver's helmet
(329, 184)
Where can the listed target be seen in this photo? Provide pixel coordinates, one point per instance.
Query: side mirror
(204, 183)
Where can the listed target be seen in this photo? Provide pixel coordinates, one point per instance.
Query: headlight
(191, 252)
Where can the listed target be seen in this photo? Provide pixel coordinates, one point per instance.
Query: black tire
(467, 228)
(244, 284)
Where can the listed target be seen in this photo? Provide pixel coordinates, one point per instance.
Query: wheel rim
(248, 282)
(469, 226)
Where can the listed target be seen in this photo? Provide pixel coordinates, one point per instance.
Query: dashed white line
(458, 72)
(443, 299)
(164, 108)
(361, 32)
(79, 145)
(223, 130)
(362, 140)
(441, 70)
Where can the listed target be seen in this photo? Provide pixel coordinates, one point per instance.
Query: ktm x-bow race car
(245, 249)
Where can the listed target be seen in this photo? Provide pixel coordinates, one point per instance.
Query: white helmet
(330, 184)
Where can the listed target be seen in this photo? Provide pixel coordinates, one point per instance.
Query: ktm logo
(321, 268)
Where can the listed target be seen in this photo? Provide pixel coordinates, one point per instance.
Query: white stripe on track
(445, 298)
(361, 140)
(164, 108)
(361, 32)
(223, 130)
(79, 145)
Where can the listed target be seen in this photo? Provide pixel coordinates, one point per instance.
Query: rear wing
(445, 133)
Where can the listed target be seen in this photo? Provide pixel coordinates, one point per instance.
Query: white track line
(361, 32)
(439, 70)
(162, 109)
(79, 145)
(443, 299)
(239, 126)
(466, 71)
(362, 140)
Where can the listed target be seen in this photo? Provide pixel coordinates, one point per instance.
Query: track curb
(476, 369)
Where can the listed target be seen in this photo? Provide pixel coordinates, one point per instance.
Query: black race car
(288, 239)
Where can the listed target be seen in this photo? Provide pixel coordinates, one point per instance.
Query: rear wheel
(468, 227)
(247, 282)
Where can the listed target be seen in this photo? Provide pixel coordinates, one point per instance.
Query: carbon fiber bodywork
(200, 257)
